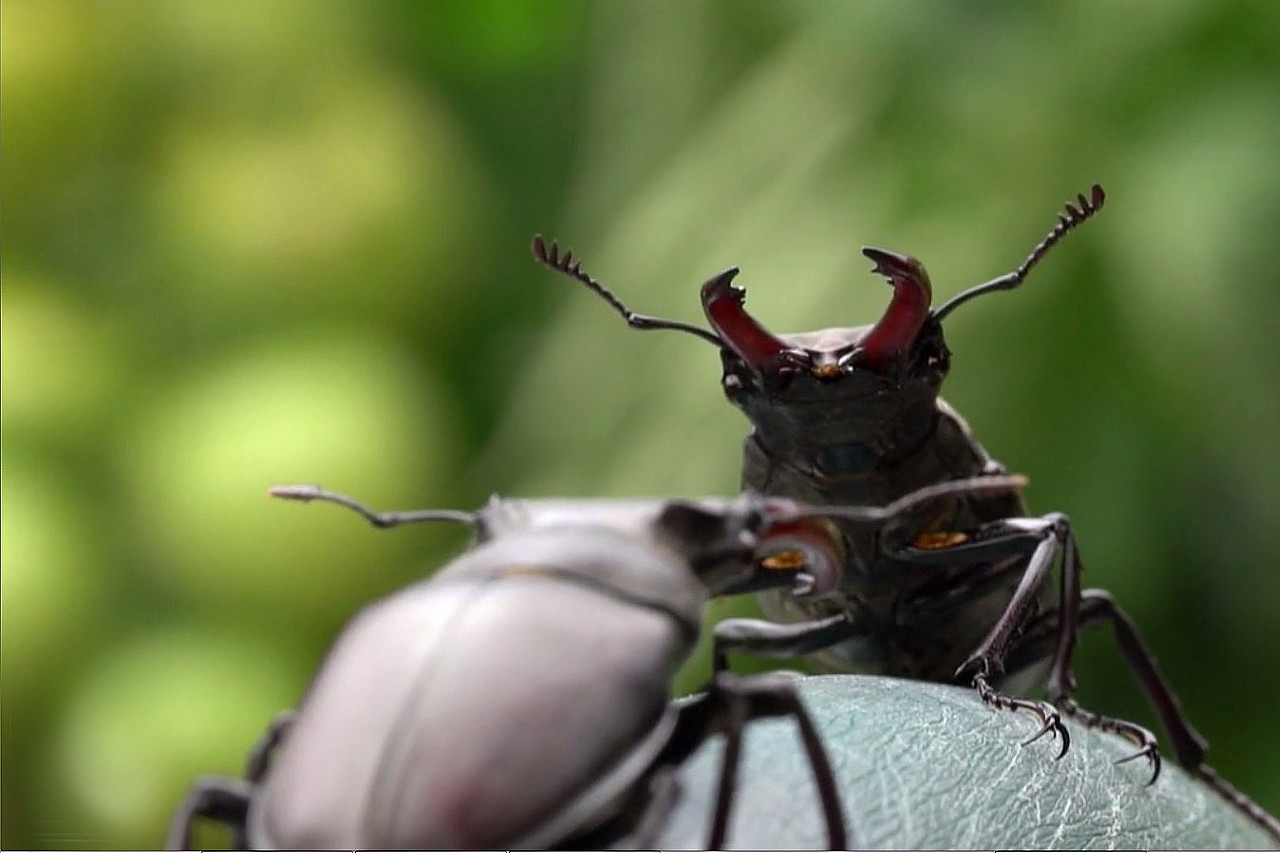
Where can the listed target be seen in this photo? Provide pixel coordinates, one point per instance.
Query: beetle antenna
(872, 514)
(1073, 215)
(549, 256)
(306, 494)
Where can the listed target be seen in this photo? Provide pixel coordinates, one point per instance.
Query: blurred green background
(258, 242)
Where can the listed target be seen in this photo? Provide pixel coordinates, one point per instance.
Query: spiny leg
(1061, 685)
(735, 719)
(1036, 645)
(664, 793)
(779, 640)
(1189, 746)
(988, 660)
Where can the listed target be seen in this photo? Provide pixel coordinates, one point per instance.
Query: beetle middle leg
(729, 703)
(779, 640)
(1096, 607)
(998, 548)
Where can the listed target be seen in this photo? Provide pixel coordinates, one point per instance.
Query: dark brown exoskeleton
(853, 416)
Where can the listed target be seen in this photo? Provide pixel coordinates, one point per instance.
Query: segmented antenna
(566, 264)
(1073, 215)
(305, 494)
(549, 256)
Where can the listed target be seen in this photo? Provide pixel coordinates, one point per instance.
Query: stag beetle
(852, 416)
(520, 698)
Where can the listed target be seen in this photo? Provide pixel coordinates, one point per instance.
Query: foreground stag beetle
(963, 592)
(520, 698)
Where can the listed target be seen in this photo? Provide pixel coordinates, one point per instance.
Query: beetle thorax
(835, 416)
(616, 564)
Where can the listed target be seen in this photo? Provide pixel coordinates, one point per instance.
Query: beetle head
(839, 401)
(753, 543)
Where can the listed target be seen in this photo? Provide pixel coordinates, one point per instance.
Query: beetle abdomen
(406, 738)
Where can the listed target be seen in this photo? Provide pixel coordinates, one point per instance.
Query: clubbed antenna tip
(377, 519)
(295, 493)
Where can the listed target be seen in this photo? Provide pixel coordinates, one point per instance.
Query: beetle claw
(1152, 755)
(1148, 746)
(1050, 719)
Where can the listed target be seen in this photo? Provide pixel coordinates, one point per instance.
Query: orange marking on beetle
(784, 561)
(829, 370)
(939, 540)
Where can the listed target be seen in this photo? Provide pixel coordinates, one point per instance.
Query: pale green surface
(929, 767)
(253, 241)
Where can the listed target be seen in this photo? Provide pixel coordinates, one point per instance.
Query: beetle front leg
(220, 799)
(988, 659)
(1039, 540)
(779, 640)
(1061, 684)
(1054, 534)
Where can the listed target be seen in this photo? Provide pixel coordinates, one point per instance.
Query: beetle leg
(1040, 539)
(728, 705)
(216, 798)
(1037, 643)
(260, 757)
(770, 695)
(664, 790)
(1189, 746)
(735, 720)
(1061, 684)
(1050, 719)
(779, 640)
(1078, 608)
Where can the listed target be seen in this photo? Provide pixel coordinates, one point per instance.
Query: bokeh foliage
(259, 242)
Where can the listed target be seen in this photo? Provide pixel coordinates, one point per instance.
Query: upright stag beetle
(520, 698)
(853, 416)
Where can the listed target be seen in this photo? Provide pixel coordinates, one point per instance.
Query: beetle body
(852, 416)
(889, 436)
(521, 697)
(416, 700)
(961, 592)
